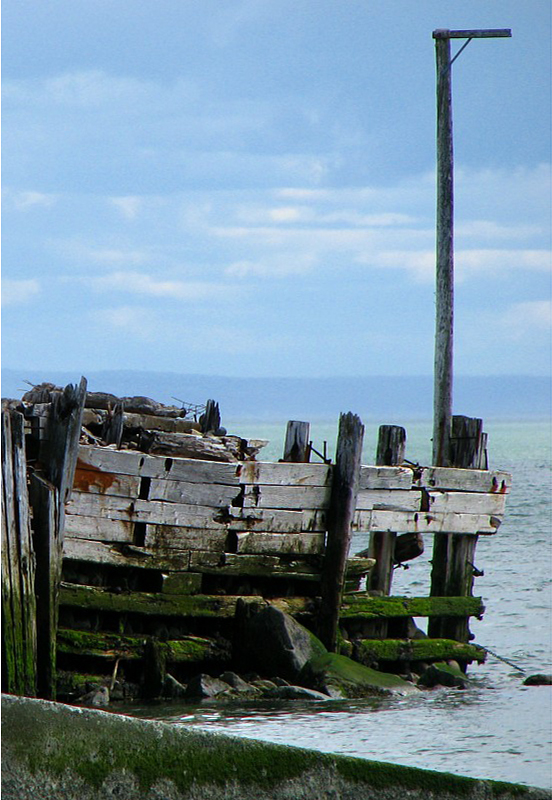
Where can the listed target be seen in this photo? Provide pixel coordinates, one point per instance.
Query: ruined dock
(132, 536)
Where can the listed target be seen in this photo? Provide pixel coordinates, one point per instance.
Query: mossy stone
(333, 673)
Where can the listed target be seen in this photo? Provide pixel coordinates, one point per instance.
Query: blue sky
(247, 188)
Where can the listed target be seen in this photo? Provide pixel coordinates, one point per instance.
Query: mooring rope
(501, 658)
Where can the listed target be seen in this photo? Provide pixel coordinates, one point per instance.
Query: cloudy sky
(246, 187)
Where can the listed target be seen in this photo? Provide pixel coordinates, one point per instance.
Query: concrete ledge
(50, 751)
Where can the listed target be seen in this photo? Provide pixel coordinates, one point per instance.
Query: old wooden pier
(129, 538)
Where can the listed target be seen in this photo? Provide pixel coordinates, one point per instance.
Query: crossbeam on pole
(486, 33)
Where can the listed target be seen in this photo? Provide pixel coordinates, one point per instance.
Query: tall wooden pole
(444, 317)
(444, 312)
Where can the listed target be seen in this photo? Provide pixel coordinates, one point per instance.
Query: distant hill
(386, 399)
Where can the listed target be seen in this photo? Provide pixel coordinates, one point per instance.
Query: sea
(497, 728)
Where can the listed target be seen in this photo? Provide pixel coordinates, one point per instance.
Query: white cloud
(280, 266)
(141, 284)
(128, 206)
(19, 292)
(524, 319)
(138, 322)
(26, 200)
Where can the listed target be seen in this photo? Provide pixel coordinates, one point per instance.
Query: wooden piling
(50, 489)
(340, 516)
(389, 453)
(296, 446)
(18, 564)
(453, 558)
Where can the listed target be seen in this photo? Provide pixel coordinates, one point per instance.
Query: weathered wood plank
(110, 646)
(167, 537)
(95, 481)
(277, 521)
(404, 499)
(181, 583)
(48, 537)
(370, 650)
(130, 462)
(99, 529)
(284, 543)
(214, 495)
(124, 556)
(359, 607)
(467, 502)
(286, 497)
(296, 445)
(192, 606)
(341, 510)
(382, 477)
(148, 511)
(466, 480)
(432, 522)
(284, 474)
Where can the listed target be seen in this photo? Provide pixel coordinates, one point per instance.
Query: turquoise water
(495, 729)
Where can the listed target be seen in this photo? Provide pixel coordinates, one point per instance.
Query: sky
(247, 187)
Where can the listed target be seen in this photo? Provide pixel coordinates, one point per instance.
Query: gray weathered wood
(130, 462)
(287, 497)
(99, 529)
(125, 556)
(296, 445)
(283, 543)
(452, 570)
(340, 517)
(49, 555)
(479, 33)
(466, 480)
(444, 283)
(390, 452)
(284, 474)
(165, 538)
(95, 481)
(215, 495)
(378, 477)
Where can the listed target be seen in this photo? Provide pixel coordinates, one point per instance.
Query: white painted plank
(466, 480)
(283, 543)
(106, 530)
(284, 474)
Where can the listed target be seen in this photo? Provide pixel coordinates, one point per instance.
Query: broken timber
(158, 548)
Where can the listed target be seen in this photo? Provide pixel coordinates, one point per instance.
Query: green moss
(51, 738)
(366, 607)
(369, 650)
(352, 678)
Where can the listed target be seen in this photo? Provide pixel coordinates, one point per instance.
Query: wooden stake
(340, 516)
(390, 452)
(296, 447)
(454, 554)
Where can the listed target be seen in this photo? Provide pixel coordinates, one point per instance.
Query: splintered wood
(251, 507)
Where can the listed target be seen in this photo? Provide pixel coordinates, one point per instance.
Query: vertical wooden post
(341, 510)
(49, 493)
(444, 287)
(296, 446)
(18, 564)
(454, 554)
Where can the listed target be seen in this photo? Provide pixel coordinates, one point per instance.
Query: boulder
(443, 674)
(98, 697)
(538, 680)
(339, 676)
(295, 693)
(205, 687)
(272, 642)
(173, 688)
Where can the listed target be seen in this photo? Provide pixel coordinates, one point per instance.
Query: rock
(237, 683)
(442, 674)
(172, 687)
(538, 680)
(204, 686)
(295, 693)
(339, 676)
(271, 641)
(263, 685)
(97, 697)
